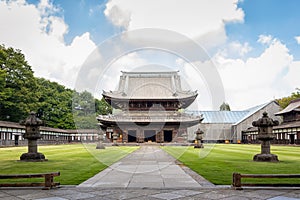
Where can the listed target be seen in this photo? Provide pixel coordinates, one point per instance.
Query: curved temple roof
(150, 85)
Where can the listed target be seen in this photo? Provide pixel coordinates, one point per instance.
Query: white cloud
(258, 79)
(235, 49)
(292, 77)
(195, 80)
(110, 78)
(39, 33)
(265, 39)
(297, 38)
(117, 16)
(200, 20)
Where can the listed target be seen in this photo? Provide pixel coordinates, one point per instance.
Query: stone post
(265, 135)
(32, 134)
(199, 138)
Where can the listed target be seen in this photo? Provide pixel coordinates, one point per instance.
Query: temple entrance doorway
(150, 135)
(292, 139)
(168, 135)
(16, 140)
(131, 135)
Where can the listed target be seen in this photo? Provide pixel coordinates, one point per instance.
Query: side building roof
(253, 110)
(229, 117)
(226, 117)
(293, 106)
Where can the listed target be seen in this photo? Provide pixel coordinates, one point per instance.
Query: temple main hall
(148, 107)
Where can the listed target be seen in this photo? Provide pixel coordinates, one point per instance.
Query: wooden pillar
(174, 135)
(236, 181)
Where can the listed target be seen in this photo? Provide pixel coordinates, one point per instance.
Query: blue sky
(269, 17)
(82, 16)
(252, 43)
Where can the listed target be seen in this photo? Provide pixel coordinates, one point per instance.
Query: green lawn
(75, 162)
(217, 162)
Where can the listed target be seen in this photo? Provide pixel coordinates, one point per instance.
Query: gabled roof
(293, 106)
(150, 85)
(253, 110)
(230, 117)
(227, 117)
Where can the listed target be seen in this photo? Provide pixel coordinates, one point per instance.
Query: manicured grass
(217, 162)
(76, 162)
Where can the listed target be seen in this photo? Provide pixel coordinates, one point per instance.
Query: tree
(55, 104)
(18, 92)
(2, 85)
(21, 92)
(285, 101)
(86, 108)
(225, 107)
(102, 107)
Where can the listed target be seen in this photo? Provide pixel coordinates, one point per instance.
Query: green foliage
(86, 108)
(217, 162)
(18, 93)
(2, 85)
(225, 107)
(102, 107)
(75, 162)
(57, 106)
(285, 101)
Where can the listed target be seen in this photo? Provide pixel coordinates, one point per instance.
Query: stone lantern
(265, 134)
(115, 138)
(100, 144)
(32, 134)
(199, 138)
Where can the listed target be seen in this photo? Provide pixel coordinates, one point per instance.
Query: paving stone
(79, 195)
(258, 194)
(71, 193)
(167, 196)
(293, 195)
(236, 198)
(2, 195)
(215, 194)
(52, 198)
(283, 198)
(146, 185)
(62, 191)
(37, 195)
(10, 198)
(127, 195)
(187, 192)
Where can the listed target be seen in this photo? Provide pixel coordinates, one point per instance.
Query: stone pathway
(148, 167)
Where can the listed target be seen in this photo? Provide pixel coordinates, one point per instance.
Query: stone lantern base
(33, 157)
(265, 158)
(199, 145)
(100, 146)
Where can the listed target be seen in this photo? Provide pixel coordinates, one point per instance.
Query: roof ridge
(154, 72)
(295, 100)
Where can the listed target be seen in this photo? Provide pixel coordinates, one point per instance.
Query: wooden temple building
(148, 108)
